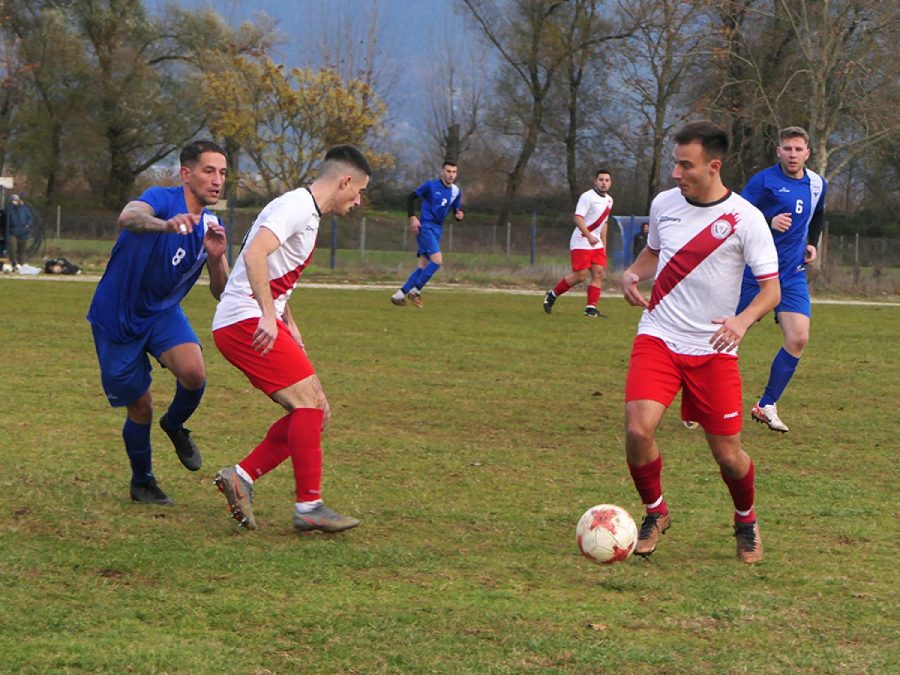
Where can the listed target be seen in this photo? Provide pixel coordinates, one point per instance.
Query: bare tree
(530, 38)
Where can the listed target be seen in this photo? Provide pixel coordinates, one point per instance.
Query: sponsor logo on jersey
(666, 219)
(783, 189)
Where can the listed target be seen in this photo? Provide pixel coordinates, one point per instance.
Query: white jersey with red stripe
(294, 219)
(595, 209)
(702, 253)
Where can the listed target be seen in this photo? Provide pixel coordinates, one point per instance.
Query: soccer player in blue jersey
(439, 197)
(167, 236)
(792, 199)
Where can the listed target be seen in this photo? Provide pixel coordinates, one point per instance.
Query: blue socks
(137, 446)
(420, 277)
(183, 406)
(427, 273)
(413, 281)
(782, 371)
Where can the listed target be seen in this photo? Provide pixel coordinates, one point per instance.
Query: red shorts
(284, 365)
(583, 258)
(711, 384)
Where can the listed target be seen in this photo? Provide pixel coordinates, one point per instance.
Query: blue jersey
(773, 192)
(437, 201)
(148, 272)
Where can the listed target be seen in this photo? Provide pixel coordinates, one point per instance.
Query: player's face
(603, 182)
(448, 174)
(792, 153)
(206, 178)
(694, 172)
(350, 194)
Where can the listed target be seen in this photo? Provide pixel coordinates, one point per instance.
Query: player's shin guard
(427, 273)
(593, 295)
(780, 374)
(561, 287)
(137, 447)
(742, 494)
(413, 281)
(271, 452)
(183, 406)
(305, 441)
(648, 481)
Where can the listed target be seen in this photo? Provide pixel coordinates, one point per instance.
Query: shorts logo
(721, 228)
(728, 416)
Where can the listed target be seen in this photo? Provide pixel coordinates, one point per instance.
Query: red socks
(297, 435)
(271, 452)
(649, 485)
(742, 494)
(593, 295)
(561, 287)
(305, 442)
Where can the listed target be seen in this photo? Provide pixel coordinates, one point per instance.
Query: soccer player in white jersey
(587, 246)
(701, 237)
(254, 329)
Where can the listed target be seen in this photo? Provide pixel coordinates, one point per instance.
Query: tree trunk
(514, 178)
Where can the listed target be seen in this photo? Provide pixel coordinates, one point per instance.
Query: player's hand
(214, 241)
(459, 215)
(811, 254)
(326, 415)
(593, 240)
(183, 223)
(264, 335)
(630, 289)
(729, 336)
(781, 222)
(414, 224)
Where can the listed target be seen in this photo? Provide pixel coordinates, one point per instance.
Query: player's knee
(637, 434)
(141, 411)
(795, 344)
(193, 377)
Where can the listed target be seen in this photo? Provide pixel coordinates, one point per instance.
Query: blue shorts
(794, 295)
(124, 366)
(429, 240)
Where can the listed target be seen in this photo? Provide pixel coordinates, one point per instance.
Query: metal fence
(536, 237)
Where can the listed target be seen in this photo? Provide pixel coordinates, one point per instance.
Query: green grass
(468, 437)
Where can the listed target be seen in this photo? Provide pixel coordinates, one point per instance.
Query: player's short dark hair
(349, 155)
(448, 162)
(711, 136)
(793, 132)
(192, 151)
(606, 171)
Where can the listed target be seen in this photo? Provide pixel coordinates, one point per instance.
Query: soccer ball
(606, 534)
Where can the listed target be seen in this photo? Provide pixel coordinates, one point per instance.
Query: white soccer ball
(606, 534)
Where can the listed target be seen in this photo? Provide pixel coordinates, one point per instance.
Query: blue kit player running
(439, 197)
(167, 237)
(792, 199)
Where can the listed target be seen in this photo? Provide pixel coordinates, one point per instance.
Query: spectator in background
(640, 240)
(18, 221)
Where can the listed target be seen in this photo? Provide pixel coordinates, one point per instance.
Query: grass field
(468, 437)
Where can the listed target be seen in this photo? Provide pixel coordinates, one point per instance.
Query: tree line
(98, 92)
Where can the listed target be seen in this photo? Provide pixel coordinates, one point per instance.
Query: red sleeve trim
(767, 276)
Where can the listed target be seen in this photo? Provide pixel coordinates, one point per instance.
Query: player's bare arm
(256, 256)
(733, 329)
(414, 224)
(288, 319)
(643, 268)
(579, 223)
(215, 242)
(138, 216)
